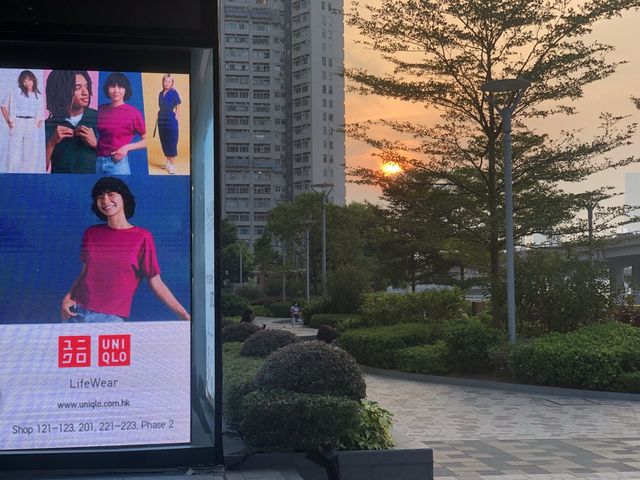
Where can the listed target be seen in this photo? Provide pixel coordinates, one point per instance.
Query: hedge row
(335, 320)
(592, 357)
(427, 359)
(461, 345)
(377, 346)
(432, 306)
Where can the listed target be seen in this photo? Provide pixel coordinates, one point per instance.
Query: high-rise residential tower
(282, 106)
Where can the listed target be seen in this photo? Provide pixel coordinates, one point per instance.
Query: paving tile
(518, 435)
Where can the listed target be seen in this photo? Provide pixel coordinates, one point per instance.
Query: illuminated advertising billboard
(95, 259)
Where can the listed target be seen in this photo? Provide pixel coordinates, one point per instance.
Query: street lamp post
(284, 272)
(241, 249)
(514, 88)
(307, 226)
(324, 189)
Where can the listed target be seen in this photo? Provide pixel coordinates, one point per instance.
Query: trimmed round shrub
(264, 342)
(226, 321)
(238, 332)
(427, 359)
(468, 342)
(377, 346)
(233, 304)
(285, 420)
(237, 381)
(312, 367)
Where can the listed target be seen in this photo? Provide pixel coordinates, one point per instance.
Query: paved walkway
(299, 329)
(489, 434)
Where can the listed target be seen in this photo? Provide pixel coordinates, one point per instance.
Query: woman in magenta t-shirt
(116, 256)
(118, 122)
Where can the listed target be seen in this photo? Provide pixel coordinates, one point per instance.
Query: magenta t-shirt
(117, 126)
(116, 262)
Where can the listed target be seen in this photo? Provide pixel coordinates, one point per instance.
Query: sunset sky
(610, 95)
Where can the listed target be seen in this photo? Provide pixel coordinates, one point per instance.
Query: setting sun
(391, 168)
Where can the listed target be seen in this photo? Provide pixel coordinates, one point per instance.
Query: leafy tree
(441, 52)
(230, 254)
(351, 233)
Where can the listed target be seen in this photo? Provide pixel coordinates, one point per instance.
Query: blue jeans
(84, 315)
(106, 166)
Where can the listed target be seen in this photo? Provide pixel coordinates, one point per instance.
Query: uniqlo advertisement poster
(95, 272)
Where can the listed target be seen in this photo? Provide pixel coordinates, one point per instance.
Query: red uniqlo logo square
(114, 350)
(74, 351)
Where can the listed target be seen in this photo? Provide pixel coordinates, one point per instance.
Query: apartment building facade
(282, 96)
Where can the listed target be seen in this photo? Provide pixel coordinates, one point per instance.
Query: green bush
(558, 293)
(279, 309)
(233, 304)
(264, 342)
(237, 381)
(349, 323)
(250, 291)
(591, 357)
(628, 382)
(315, 306)
(346, 285)
(373, 431)
(238, 332)
(312, 367)
(285, 420)
(468, 343)
(629, 314)
(261, 311)
(427, 359)
(390, 308)
(226, 321)
(377, 346)
(331, 319)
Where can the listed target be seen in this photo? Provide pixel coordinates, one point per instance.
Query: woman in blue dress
(169, 104)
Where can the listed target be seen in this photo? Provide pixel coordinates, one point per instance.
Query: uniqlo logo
(74, 351)
(114, 350)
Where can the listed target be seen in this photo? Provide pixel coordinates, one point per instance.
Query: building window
(261, 148)
(242, 188)
(261, 27)
(236, 66)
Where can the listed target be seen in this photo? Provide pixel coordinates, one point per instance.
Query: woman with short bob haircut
(118, 122)
(116, 257)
